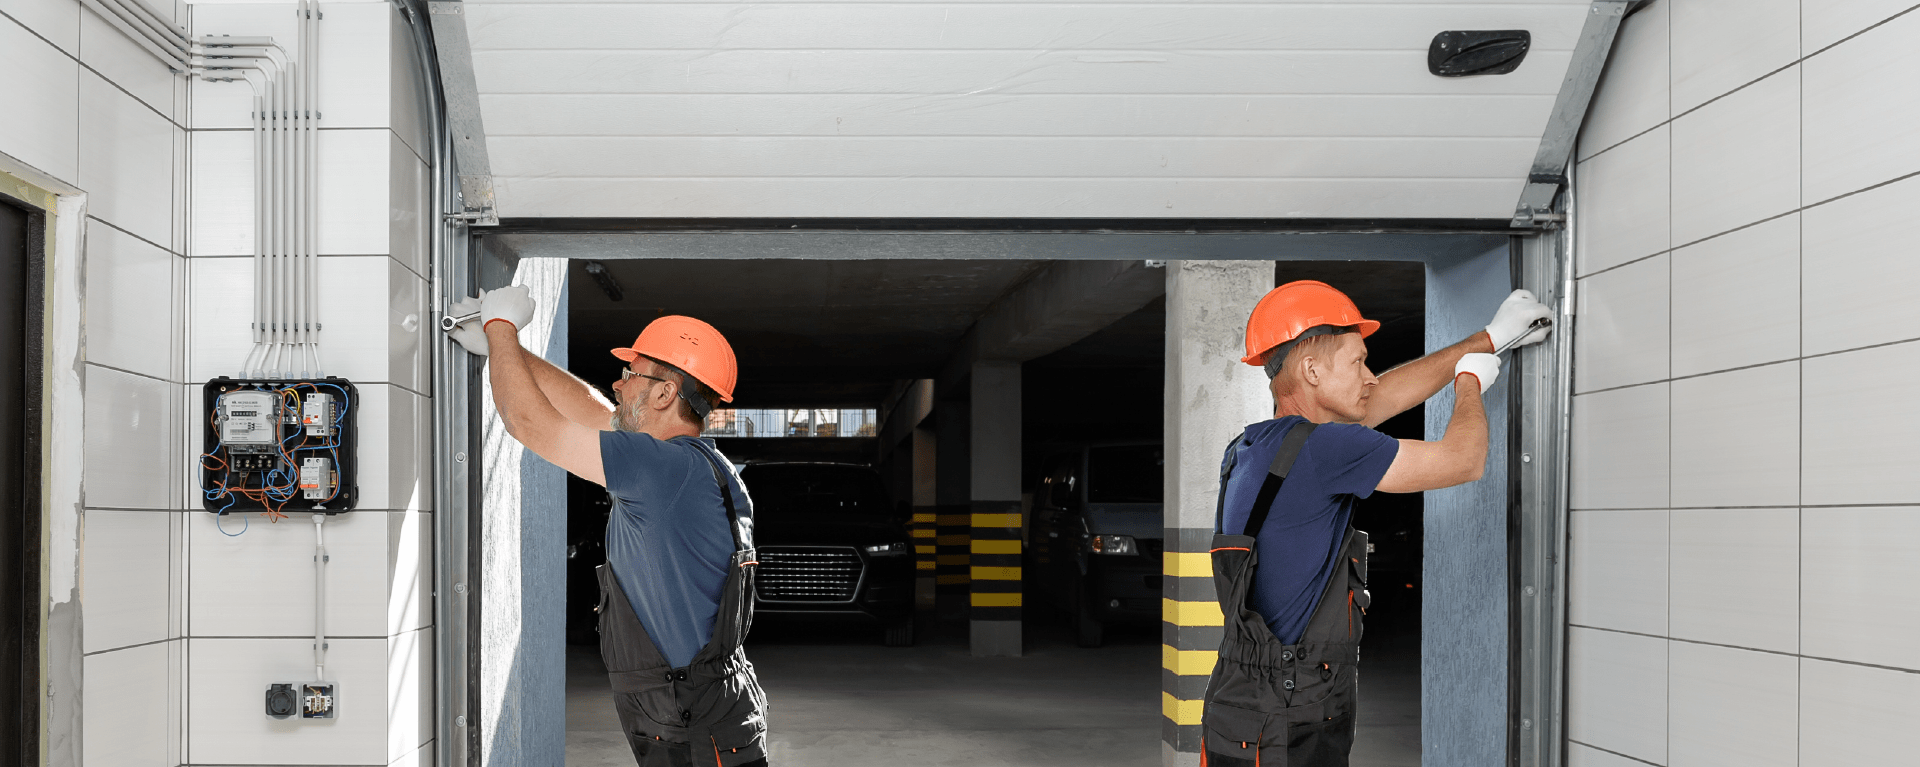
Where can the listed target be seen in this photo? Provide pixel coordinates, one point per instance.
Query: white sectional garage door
(1008, 109)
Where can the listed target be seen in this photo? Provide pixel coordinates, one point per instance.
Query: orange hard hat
(690, 345)
(1291, 309)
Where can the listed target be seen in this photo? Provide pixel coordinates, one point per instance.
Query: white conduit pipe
(310, 52)
(319, 599)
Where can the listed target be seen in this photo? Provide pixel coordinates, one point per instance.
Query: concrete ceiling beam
(1065, 302)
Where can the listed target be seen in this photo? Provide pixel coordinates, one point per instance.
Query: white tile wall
(390, 449)
(407, 324)
(133, 306)
(1619, 449)
(364, 304)
(1859, 424)
(227, 677)
(1617, 692)
(1737, 160)
(1736, 577)
(49, 143)
(410, 685)
(353, 188)
(1858, 130)
(1579, 755)
(1731, 708)
(1859, 269)
(354, 52)
(1622, 327)
(409, 571)
(1734, 299)
(407, 228)
(222, 194)
(1735, 441)
(127, 563)
(1853, 715)
(126, 160)
(1617, 570)
(1853, 567)
(1825, 22)
(1720, 45)
(1632, 93)
(260, 583)
(128, 695)
(56, 20)
(1623, 202)
(124, 63)
(132, 439)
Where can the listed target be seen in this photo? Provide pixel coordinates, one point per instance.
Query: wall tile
(123, 62)
(1632, 93)
(390, 455)
(223, 209)
(1617, 568)
(1624, 202)
(407, 230)
(407, 110)
(353, 187)
(1737, 298)
(1850, 561)
(1862, 99)
(126, 161)
(1736, 577)
(50, 143)
(1736, 708)
(406, 306)
(1851, 715)
(1737, 160)
(126, 707)
(220, 313)
(1616, 692)
(229, 596)
(227, 678)
(1720, 45)
(56, 20)
(1622, 327)
(1587, 756)
(409, 571)
(132, 314)
(1859, 418)
(1825, 22)
(127, 565)
(132, 439)
(1619, 457)
(409, 692)
(1735, 442)
(1859, 269)
(357, 307)
(357, 75)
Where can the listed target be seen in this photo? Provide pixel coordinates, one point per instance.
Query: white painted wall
(182, 627)
(1746, 505)
(936, 108)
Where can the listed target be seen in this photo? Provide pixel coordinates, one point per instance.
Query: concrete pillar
(1210, 398)
(923, 450)
(994, 614)
(953, 516)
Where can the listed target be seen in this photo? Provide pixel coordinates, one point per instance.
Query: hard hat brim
(1366, 328)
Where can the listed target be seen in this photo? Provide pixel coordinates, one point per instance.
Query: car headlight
(887, 550)
(1113, 544)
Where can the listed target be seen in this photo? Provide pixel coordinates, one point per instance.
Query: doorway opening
(22, 259)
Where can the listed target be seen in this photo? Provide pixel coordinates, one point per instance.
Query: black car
(1096, 535)
(830, 542)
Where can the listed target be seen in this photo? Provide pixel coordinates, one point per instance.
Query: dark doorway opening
(22, 247)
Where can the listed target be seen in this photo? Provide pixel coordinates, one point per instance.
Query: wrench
(448, 323)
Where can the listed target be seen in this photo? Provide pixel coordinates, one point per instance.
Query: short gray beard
(626, 417)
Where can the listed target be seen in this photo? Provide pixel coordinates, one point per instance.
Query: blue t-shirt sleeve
(631, 462)
(1356, 459)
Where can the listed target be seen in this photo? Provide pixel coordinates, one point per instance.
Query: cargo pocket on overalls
(1323, 743)
(1232, 735)
(740, 735)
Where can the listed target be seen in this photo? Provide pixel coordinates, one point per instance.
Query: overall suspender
(1283, 459)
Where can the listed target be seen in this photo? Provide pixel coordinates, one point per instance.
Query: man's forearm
(1467, 430)
(578, 400)
(1415, 382)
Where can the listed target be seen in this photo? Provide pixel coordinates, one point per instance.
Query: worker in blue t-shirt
(1289, 569)
(675, 603)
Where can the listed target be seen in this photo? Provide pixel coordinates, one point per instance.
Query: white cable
(319, 598)
(310, 52)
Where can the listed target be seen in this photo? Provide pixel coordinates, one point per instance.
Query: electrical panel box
(280, 445)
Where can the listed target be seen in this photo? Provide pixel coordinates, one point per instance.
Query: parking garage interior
(825, 344)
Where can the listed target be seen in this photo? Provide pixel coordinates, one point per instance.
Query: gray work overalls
(1277, 705)
(710, 711)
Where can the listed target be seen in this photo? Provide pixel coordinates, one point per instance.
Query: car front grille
(807, 573)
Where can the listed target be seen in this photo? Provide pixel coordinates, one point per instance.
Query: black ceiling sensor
(605, 279)
(1463, 53)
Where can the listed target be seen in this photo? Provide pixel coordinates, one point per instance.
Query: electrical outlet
(310, 700)
(316, 700)
(281, 701)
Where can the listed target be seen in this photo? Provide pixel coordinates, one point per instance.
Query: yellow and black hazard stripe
(995, 568)
(1191, 627)
(952, 533)
(924, 533)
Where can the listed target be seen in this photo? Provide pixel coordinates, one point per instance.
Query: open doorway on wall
(21, 252)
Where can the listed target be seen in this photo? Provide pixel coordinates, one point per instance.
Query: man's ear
(1310, 370)
(664, 393)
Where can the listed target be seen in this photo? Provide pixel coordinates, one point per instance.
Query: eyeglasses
(626, 373)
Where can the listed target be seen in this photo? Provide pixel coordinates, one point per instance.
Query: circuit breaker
(279, 445)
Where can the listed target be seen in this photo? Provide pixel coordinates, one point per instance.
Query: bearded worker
(1289, 569)
(674, 593)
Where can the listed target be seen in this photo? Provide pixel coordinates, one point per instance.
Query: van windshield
(1124, 474)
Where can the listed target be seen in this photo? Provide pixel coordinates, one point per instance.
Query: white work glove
(511, 303)
(1512, 325)
(1484, 367)
(468, 333)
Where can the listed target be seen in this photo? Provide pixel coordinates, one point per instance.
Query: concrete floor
(837, 697)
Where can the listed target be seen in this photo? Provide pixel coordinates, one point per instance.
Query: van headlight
(1113, 544)
(887, 550)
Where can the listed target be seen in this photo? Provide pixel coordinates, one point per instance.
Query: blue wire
(244, 524)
